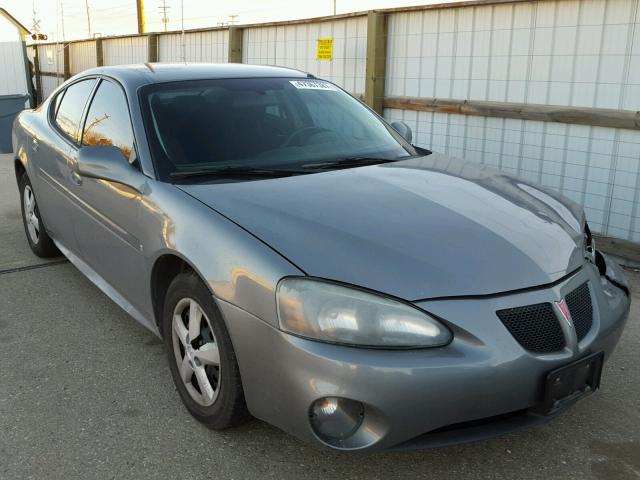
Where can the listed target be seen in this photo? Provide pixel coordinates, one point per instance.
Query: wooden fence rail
(598, 117)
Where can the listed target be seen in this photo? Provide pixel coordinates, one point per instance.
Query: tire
(40, 242)
(223, 405)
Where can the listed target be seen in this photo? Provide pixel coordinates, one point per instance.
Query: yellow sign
(325, 49)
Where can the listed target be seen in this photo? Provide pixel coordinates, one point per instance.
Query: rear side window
(56, 103)
(108, 121)
(69, 112)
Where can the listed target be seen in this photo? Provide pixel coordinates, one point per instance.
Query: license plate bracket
(569, 382)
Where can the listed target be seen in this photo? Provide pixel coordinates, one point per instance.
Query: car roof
(145, 73)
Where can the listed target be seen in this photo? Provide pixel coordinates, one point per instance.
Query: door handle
(34, 145)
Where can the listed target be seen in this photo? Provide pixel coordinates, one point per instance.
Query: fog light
(334, 419)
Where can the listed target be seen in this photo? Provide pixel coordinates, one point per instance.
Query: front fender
(237, 267)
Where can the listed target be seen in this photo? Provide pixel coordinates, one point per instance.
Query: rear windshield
(261, 123)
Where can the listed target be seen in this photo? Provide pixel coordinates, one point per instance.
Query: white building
(16, 88)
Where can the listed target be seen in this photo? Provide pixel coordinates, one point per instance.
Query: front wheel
(40, 242)
(201, 357)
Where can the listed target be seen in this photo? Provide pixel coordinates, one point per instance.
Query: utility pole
(140, 13)
(86, 7)
(62, 17)
(36, 22)
(164, 8)
(36, 35)
(334, 7)
(57, 41)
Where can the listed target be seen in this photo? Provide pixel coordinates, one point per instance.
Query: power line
(114, 7)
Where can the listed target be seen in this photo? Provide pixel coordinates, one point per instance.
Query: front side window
(108, 121)
(265, 123)
(70, 108)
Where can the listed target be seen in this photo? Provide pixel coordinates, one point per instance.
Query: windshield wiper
(347, 163)
(248, 172)
(237, 172)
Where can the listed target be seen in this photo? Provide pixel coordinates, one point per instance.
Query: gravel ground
(85, 392)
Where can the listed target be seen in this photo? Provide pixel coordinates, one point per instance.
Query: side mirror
(404, 130)
(107, 162)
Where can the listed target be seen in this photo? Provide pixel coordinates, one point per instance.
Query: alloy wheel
(31, 218)
(196, 352)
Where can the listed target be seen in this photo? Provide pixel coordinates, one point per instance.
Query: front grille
(581, 309)
(535, 327)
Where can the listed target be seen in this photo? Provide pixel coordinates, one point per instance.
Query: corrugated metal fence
(295, 46)
(203, 46)
(579, 53)
(570, 53)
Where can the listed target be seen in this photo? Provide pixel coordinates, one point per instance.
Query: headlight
(333, 313)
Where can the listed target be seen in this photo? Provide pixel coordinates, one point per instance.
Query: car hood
(417, 229)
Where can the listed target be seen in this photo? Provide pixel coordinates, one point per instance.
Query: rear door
(107, 226)
(51, 149)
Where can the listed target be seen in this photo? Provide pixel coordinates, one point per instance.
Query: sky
(117, 17)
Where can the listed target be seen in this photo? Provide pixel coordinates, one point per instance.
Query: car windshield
(265, 124)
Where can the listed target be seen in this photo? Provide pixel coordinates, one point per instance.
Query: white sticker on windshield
(312, 85)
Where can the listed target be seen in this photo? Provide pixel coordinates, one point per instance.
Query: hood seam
(245, 229)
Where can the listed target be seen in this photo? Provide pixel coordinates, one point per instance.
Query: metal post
(30, 87)
(99, 53)
(67, 61)
(36, 69)
(152, 53)
(184, 46)
(376, 60)
(235, 45)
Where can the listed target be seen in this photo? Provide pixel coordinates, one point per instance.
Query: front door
(107, 226)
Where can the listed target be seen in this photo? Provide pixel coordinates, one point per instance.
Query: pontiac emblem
(564, 310)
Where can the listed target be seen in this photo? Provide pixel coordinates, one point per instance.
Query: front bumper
(483, 374)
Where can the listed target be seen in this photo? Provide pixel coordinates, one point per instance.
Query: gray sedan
(307, 265)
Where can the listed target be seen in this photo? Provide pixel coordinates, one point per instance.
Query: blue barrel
(10, 106)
